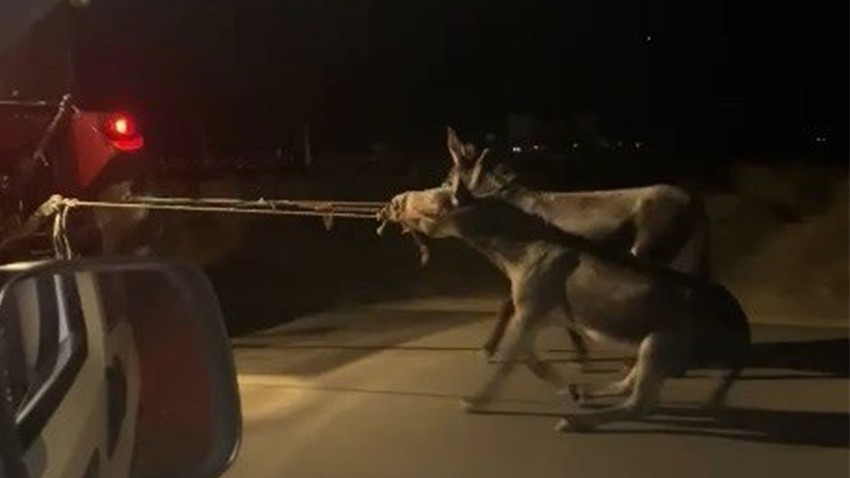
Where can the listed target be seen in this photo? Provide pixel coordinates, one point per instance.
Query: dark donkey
(661, 223)
(677, 321)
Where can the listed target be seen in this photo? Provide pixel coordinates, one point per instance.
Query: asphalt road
(372, 391)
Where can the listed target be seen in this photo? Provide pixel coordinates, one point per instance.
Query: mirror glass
(123, 372)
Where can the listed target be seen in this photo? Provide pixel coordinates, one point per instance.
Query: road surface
(372, 391)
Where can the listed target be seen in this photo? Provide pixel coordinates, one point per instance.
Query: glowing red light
(121, 131)
(120, 125)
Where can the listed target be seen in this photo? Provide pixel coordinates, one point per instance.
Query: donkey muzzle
(391, 212)
(394, 211)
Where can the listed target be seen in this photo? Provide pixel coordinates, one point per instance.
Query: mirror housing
(114, 367)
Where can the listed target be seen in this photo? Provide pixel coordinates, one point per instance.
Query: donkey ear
(480, 164)
(456, 148)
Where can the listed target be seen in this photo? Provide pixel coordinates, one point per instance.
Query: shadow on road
(827, 356)
(824, 429)
(813, 359)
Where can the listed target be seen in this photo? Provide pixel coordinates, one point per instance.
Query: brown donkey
(677, 321)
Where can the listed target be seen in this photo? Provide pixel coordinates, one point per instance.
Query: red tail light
(122, 132)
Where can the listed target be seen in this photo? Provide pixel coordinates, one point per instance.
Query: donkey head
(430, 211)
(435, 212)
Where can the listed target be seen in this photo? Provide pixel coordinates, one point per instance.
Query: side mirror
(114, 367)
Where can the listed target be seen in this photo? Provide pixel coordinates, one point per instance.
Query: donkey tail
(737, 343)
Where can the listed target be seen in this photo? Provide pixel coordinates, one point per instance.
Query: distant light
(820, 139)
(638, 144)
(536, 147)
(516, 149)
(575, 145)
(649, 38)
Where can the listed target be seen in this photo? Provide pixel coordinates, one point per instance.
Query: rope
(58, 208)
(275, 202)
(61, 243)
(234, 207)
(61, 207)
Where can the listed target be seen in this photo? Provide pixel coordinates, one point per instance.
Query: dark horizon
(709, 75)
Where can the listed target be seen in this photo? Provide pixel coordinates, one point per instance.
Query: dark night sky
(749, 72)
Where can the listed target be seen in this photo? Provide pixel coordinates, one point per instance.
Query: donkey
(676, 320)
(663, 224)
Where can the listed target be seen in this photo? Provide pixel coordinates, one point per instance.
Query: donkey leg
(549, 374)
(718, 397)
(649, 378)
(575, 337)
(613, 389)
(740, 347)
(516, 341)
(642, 248)
(506, 311)
(579, 344)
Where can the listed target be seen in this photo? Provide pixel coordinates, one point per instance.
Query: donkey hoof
(573, 391)
(472, 404)
(572, 424)
(562, 426)
(487, 354)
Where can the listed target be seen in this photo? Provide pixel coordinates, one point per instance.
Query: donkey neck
(512, 257)
(514, 241)
(524, 199)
